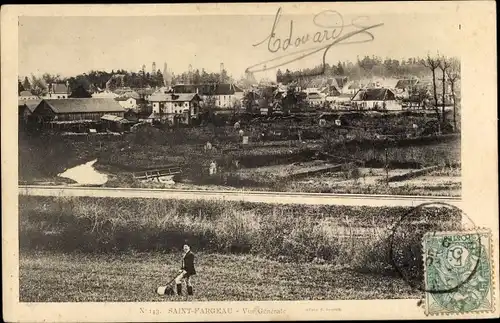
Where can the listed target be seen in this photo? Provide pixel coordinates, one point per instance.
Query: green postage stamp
(458, 272)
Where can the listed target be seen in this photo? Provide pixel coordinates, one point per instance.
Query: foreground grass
(75, 277)
(358, 237)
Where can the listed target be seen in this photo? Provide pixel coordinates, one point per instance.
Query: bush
(298, 233)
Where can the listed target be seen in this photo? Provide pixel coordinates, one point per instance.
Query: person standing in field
(186, 272)
(212, 170)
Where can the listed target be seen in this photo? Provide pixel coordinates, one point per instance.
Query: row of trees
(134, 80)
(201, 77)
(367, 66)
(38, 85)
(445, 71)
(95, 80)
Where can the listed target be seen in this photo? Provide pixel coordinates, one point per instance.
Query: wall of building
(56, 96)
(129, 104)
(316, 101)
(391, 105)
(24, 98)
(170, 111)
(96, 116)
(43, 111)
(176, 107)
(226, 100)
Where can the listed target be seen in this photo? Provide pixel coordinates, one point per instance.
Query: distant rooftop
(59, 88)
(374, 94)
(173, 97)
(26, 94)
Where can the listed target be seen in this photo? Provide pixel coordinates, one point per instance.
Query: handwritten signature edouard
(335, 32)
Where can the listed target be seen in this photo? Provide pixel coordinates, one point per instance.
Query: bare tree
(209, 102)
(453, 74)
(51, 79)
(236, 106)
(433, 64)
(444, 64)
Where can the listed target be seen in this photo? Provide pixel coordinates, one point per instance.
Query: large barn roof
(84, 105)
(30, 104)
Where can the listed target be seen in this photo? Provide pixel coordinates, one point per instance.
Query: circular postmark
(450, 261)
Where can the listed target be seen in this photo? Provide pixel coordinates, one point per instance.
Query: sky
(73, 45)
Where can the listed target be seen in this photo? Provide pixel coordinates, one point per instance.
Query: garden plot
(288, 171)
(369, 176)
(373, 181)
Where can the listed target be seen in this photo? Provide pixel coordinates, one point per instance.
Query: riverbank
(316, 165)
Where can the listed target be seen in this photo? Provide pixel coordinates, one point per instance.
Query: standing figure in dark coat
(186, 272)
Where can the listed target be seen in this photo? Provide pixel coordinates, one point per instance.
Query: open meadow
(134, 277)
(119, 249)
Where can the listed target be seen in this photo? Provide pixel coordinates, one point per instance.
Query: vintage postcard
(259, 161)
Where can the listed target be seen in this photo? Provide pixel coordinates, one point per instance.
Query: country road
(247, 196)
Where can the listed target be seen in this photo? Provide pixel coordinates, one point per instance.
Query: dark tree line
(198, 77)
(363, 67)
(100, 80)
(94, 81)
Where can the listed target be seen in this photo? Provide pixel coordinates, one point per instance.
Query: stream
(85, 174)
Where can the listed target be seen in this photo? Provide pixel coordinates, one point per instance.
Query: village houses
(175, 107)
(225, 95)
(27, 96)
(104, 94)
(57, 91)
(375, 99)
(129, 100)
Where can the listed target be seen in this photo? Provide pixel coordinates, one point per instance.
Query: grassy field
(340, 235)
(134, 277)
(119, 249)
